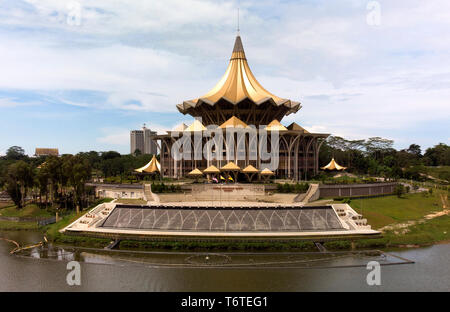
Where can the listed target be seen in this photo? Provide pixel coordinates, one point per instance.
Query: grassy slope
(427, 233)
(30, 210)
(386, 210)
(13, 226)
(435, 171)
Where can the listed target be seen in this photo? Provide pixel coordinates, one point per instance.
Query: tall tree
(439, 155)
(15, 153)
(42, 181)
(415, 150)
(78, 172)
(19, 179)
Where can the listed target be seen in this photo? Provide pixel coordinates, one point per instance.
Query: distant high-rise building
(141, 140)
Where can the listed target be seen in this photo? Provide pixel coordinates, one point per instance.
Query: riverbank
(12, 219)
(402, 220)
(419, 235)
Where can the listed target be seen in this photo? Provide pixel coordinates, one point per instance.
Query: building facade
(239, 100)
(142, 140)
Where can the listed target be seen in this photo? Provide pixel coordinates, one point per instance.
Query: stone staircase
(311, 194)
(149, 196)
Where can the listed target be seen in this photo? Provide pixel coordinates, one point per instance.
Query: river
(45, 270)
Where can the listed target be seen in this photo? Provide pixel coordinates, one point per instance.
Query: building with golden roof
(238, 100)
(46, 152)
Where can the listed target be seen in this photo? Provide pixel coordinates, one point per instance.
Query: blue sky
(78, 75)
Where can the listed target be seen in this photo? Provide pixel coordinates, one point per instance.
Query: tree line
(53, 181)
(61, 181)
(376, 156)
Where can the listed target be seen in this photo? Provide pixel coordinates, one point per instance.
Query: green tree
(439, 155)
(399, 190)
(415, 150)
(77, 171)
(378, 147)
(20, 178)
(15, 153)
(42, 181)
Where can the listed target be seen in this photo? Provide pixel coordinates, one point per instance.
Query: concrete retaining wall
(227, 192)
(349, 190)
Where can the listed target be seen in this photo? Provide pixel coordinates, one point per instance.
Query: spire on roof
(237, 84)
(238, 50)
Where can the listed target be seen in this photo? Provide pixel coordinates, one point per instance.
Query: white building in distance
(141, 140)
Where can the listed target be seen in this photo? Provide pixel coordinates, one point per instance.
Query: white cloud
(353, 79)
(120, 137)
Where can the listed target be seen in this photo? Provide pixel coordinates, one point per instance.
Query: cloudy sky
(78, 75)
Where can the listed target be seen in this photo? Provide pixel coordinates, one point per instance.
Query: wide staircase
(149, 196)
(311, 194)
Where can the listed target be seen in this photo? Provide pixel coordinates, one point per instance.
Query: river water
(44, 269)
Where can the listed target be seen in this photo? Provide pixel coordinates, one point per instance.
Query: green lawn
(381, 211)
(422, 234)
(30, 210)
(13, 226)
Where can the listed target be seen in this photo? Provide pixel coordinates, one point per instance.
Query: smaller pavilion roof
(333, 165)
(231, 166)
(296, 127)
(195, 172)
(234, 122)
(181, 127)
(152, 167)
(250, 169)
(267, 171)
(275, 125)
(211, 169)
(195, 126)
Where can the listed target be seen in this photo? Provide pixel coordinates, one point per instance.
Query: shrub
(399, 190)
(286, 188)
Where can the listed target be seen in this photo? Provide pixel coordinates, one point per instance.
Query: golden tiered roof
(195, 172)
(211, 169)
(296, 127)
(152, 167)
(275, 125)
(195, 126)
(239, 83)
(250, 169)
(267, 171)
(46, 151)
(231, 166)
(233, 122)
(333, 165)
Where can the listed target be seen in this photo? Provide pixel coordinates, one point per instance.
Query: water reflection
(235, 260)
(44, 269)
